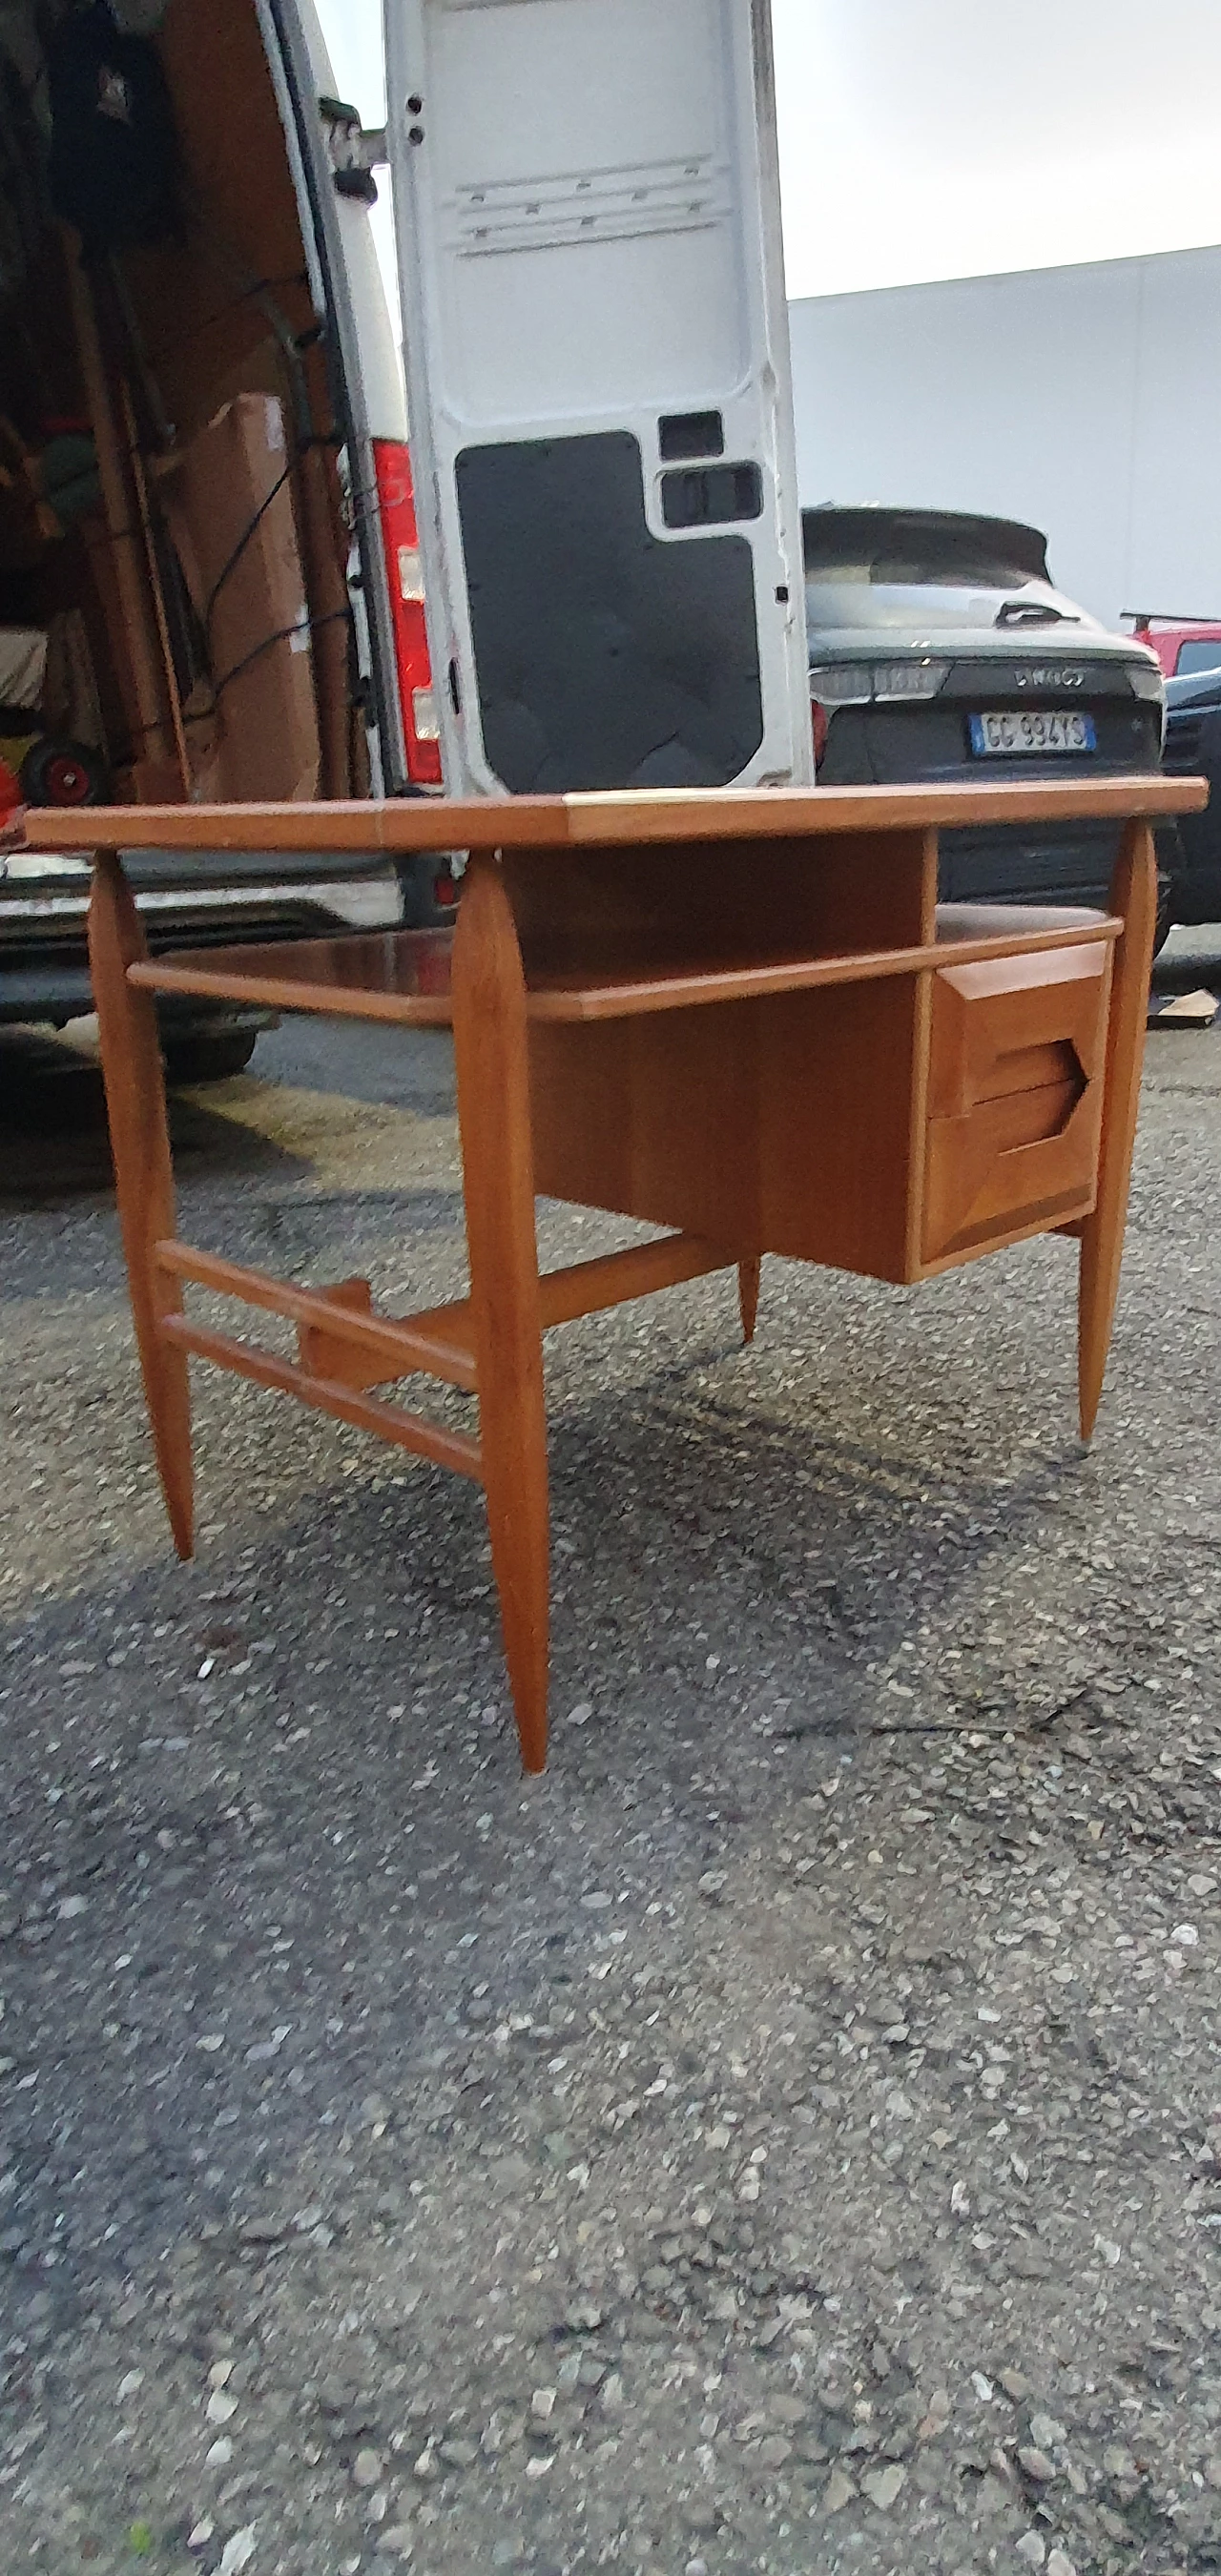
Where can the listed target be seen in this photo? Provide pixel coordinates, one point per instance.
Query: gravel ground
(785, 2137)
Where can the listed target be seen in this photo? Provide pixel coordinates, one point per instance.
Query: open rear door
(364, 377)
(598, 385)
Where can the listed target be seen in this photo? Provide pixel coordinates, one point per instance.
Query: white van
(208, 567)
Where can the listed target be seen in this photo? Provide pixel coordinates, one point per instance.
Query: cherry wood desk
(742, 1017)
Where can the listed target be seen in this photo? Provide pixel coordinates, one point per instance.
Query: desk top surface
(609, 821)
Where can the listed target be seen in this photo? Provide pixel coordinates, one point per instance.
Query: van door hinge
(354, 150)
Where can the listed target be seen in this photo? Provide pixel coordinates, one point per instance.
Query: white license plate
(1007, 731)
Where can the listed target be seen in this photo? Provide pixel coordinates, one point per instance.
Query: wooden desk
(742, 1017)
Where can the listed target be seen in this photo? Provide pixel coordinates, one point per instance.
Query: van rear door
(366, 385)
(596, 347)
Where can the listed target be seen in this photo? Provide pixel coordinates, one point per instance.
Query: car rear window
(1203, 653)
(885, 549)
(917, 569)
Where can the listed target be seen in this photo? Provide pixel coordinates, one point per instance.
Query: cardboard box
(228, 501)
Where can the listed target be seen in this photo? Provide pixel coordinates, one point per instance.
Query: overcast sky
(945, 138)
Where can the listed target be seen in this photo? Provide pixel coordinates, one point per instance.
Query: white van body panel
(350, 299)
(385, 396)
(589, 241)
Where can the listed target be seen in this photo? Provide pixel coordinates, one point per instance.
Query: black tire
(1171, 870)
(55, 772)
(202, 1056)
(1164, 919)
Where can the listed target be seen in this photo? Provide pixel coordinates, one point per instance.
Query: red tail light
(819, 717)
(396, 503)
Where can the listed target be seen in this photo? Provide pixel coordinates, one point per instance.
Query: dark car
(1193, 749)
(939, 649)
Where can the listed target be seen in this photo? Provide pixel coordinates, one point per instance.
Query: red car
(1182, 644)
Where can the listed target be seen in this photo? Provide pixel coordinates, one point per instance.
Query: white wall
(1085, 400)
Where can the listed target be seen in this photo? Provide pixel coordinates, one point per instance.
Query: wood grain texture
(586, 1288)
(938, 927)
(772, 1126)
(498, 1184)
(322, 1354)
(775, 1115)
(134, 1077)
(709, 922)
(736, 900)
(1134, 894)
(400, 976)
(403, 1430)
(1014, 1095)
(615, 822)
(740, 1018)
(404, 977)
(397, 1347)
(696, 980)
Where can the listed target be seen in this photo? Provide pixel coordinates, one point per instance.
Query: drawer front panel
(1015, 1095)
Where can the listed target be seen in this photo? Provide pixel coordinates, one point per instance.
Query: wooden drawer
(1015, 1096)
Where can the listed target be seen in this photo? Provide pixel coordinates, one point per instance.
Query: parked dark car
(1193, 750)
(939, 649)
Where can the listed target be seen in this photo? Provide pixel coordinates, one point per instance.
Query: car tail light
(819, 714)
(909, 679)
(854, 684)
(444, 890)
(1148, 681)
(842, 684)
(396, 502)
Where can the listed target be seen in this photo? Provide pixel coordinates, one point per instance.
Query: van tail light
(396, 504)
(425, 722)
(819, 717)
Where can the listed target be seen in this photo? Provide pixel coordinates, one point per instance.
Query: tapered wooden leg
(1134, 894)
(139, 1139)
(748, 1296)
(489, 1004)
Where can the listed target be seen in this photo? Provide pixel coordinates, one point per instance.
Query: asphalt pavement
(787, 2136)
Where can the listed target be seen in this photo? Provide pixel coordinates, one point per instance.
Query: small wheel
(63, 773)
(199, 1056)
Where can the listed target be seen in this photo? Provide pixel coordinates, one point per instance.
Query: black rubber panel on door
(604, 656)
(705, 496)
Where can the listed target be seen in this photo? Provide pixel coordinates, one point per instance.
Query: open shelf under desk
(404, 976)
(681, 981)
(397, 975)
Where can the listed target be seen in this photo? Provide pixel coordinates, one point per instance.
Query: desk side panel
(653, 1117)
(766, 1126)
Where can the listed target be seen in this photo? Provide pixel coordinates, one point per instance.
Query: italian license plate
(1009, 731)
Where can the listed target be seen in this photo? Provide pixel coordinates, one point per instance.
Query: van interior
(174, 615)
